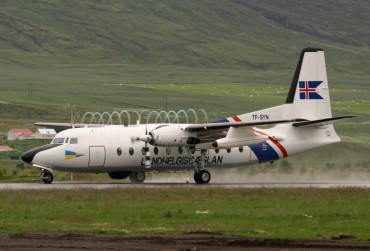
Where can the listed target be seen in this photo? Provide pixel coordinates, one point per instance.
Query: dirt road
(184, 242)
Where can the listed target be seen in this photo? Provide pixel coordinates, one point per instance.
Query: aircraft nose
(29, 155)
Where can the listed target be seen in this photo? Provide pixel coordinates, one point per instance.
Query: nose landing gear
(46, 176)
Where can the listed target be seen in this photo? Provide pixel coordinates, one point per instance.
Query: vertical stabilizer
(309, 91)
(308, 96)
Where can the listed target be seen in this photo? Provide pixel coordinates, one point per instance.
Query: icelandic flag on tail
(307, 90)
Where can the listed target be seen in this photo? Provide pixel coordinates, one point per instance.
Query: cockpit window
(74, 141)
(67, 139)
(58, 141)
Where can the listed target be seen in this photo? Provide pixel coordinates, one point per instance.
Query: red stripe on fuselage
(277, 143)
(236, 118)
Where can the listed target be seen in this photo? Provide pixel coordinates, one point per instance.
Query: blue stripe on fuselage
(264, 152)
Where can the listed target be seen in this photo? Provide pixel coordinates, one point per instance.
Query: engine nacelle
(169, 135)
(236, 142)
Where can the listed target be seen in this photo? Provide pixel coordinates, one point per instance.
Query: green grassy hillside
(228, 34)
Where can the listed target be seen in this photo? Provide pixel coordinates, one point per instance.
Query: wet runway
(82, 185)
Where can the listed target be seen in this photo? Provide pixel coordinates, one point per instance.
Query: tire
(202, 177)
(47, 177)
(137, 177)
(196, 178)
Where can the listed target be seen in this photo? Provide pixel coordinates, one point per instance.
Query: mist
(269, 175)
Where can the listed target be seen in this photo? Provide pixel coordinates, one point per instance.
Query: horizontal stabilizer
(320, 122)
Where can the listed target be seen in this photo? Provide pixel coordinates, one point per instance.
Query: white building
(44, 134)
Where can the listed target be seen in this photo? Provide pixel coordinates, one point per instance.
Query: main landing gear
(137, 177)
(46, 176)
(201, 176)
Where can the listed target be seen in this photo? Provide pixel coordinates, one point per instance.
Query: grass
(16, 171)
(260, 212)
(47, 103)
(20, 146)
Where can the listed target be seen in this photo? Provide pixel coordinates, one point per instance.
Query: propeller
(147, 138)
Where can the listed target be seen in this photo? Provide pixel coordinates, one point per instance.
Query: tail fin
(309, 91)
(308, 96)
(308, 103)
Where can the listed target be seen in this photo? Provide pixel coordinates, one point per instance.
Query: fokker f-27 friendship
(302, 123)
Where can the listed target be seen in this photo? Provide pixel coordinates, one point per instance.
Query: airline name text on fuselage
(183, 160)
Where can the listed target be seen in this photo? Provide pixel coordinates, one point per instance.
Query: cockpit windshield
(58, 141)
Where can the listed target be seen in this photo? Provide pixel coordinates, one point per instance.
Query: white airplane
(304, 122)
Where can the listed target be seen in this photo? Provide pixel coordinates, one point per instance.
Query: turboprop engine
(239, 137)
(177, 135)
(167, 135)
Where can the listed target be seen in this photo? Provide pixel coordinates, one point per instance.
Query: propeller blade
(135, 140)
(147, 156)
(147, 139)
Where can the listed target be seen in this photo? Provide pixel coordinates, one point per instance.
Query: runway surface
(83, 185)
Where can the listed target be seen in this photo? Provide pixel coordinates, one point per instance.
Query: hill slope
(232, 34)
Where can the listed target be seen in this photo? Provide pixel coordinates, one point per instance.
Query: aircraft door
(97, 156)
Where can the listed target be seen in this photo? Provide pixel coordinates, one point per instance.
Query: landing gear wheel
(47, 177)
(202, 177)
(197, 178)
(137, 177)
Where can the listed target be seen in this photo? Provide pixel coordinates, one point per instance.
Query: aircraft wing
(65, 125)
(227, 125)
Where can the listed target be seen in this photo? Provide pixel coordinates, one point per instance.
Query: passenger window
(74, 141)
(119, 151)
(228, 150)
(155, 150)
(168, 150)
(131, 151)
(241, 149)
